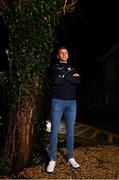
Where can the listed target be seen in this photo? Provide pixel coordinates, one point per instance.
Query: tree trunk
(21, 127)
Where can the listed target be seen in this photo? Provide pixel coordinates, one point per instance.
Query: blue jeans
(58, 108)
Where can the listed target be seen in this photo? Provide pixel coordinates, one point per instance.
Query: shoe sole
(51, 171)
(73, 166)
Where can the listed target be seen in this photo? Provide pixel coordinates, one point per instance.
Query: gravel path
(97, 162)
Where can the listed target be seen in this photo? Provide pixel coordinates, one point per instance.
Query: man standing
(65, 78)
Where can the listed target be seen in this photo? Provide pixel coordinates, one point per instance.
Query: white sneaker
(73, 163)
(51, 166)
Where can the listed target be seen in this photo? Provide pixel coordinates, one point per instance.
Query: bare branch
(64, 8)
(3, 4)
(69, 6)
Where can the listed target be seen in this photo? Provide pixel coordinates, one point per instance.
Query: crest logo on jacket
(69, 69)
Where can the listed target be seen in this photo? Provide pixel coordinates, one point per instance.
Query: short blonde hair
(60, 48)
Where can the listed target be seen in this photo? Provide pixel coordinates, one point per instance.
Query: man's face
(63, 55)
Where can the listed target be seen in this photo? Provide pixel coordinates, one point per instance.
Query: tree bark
(20, 135)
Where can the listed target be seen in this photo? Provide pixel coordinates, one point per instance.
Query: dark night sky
(102, 24)
(99, 30)
(91, 31)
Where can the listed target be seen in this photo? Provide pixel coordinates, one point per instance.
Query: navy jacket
(63, 82)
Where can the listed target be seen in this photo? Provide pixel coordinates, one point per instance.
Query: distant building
(99, 98)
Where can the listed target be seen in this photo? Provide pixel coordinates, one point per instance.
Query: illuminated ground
(89, 135)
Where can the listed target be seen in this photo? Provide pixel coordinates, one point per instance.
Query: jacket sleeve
(58, 80)
(73, 79)
(57, 76)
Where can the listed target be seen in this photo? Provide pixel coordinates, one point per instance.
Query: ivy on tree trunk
(31, 28)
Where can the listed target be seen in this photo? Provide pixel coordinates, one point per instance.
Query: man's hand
(76, 74)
